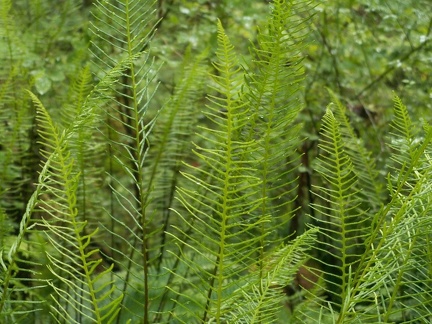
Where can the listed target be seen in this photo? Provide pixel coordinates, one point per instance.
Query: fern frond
(73, 263)
(18, 288)
(80, 89)
(221, 244)
(273, 86)
(408, 154)
(343, 225)
(363, 162)
(125, 27)
(171, 141)
(50, 183)
(261, 302)
(397, 250)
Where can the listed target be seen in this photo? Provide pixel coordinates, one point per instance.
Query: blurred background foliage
(361, 49)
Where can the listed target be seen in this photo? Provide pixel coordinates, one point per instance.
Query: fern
(223, 214)
(125, 26)
(398, 250)
(62, 222)
(273, 91)
(342, 223)
(363, 162)
(392, 247)
(136, 218)
(71, 257)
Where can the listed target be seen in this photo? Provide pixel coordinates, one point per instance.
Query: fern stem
(137, 162)
(211, 289)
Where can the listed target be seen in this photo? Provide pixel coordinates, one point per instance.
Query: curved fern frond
(18, 289)
(26, 261)
(81, 290)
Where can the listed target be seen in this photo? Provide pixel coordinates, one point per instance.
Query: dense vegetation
(210, 161)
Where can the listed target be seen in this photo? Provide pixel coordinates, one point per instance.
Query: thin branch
(392, 67)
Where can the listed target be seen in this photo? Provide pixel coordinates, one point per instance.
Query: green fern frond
(408, 146)
(403, 127)
(18, 288)
(125, 27)
(273, 86)
(80, 89)
(342, 223)
(172, 143)
(363, 162)
(49, 184)
(82, 292)
(219, 217)
(397, 250)
(261, 303)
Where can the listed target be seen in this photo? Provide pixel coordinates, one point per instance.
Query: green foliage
(71, 261)
(188, 192)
